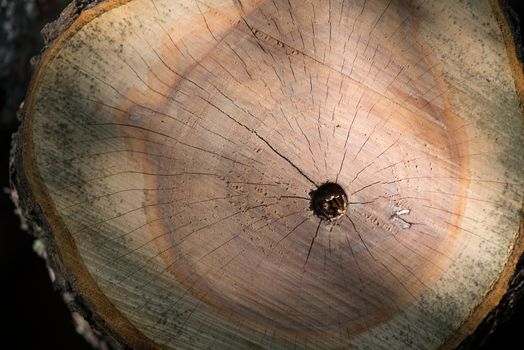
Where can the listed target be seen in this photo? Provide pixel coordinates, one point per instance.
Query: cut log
(278, 174)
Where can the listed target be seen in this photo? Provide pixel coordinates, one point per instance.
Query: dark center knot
(329, 201)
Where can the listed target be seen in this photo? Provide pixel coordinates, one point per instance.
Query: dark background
(32, 314)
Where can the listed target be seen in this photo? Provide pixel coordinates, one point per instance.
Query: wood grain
(172, 147)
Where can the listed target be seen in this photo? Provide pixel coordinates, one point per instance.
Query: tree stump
(230, 174)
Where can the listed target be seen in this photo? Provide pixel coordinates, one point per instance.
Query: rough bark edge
(69, 14)
(86, 322)
(96, 331)
(514, 297)
(77, 286)
(52, 30)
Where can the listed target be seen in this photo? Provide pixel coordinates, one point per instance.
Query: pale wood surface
(173, 145)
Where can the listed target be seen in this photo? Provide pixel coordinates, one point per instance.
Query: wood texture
(172, 147)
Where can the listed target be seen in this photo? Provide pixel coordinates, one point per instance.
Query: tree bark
(276, 174)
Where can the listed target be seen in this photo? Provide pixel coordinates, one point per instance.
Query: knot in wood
(329, 201)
